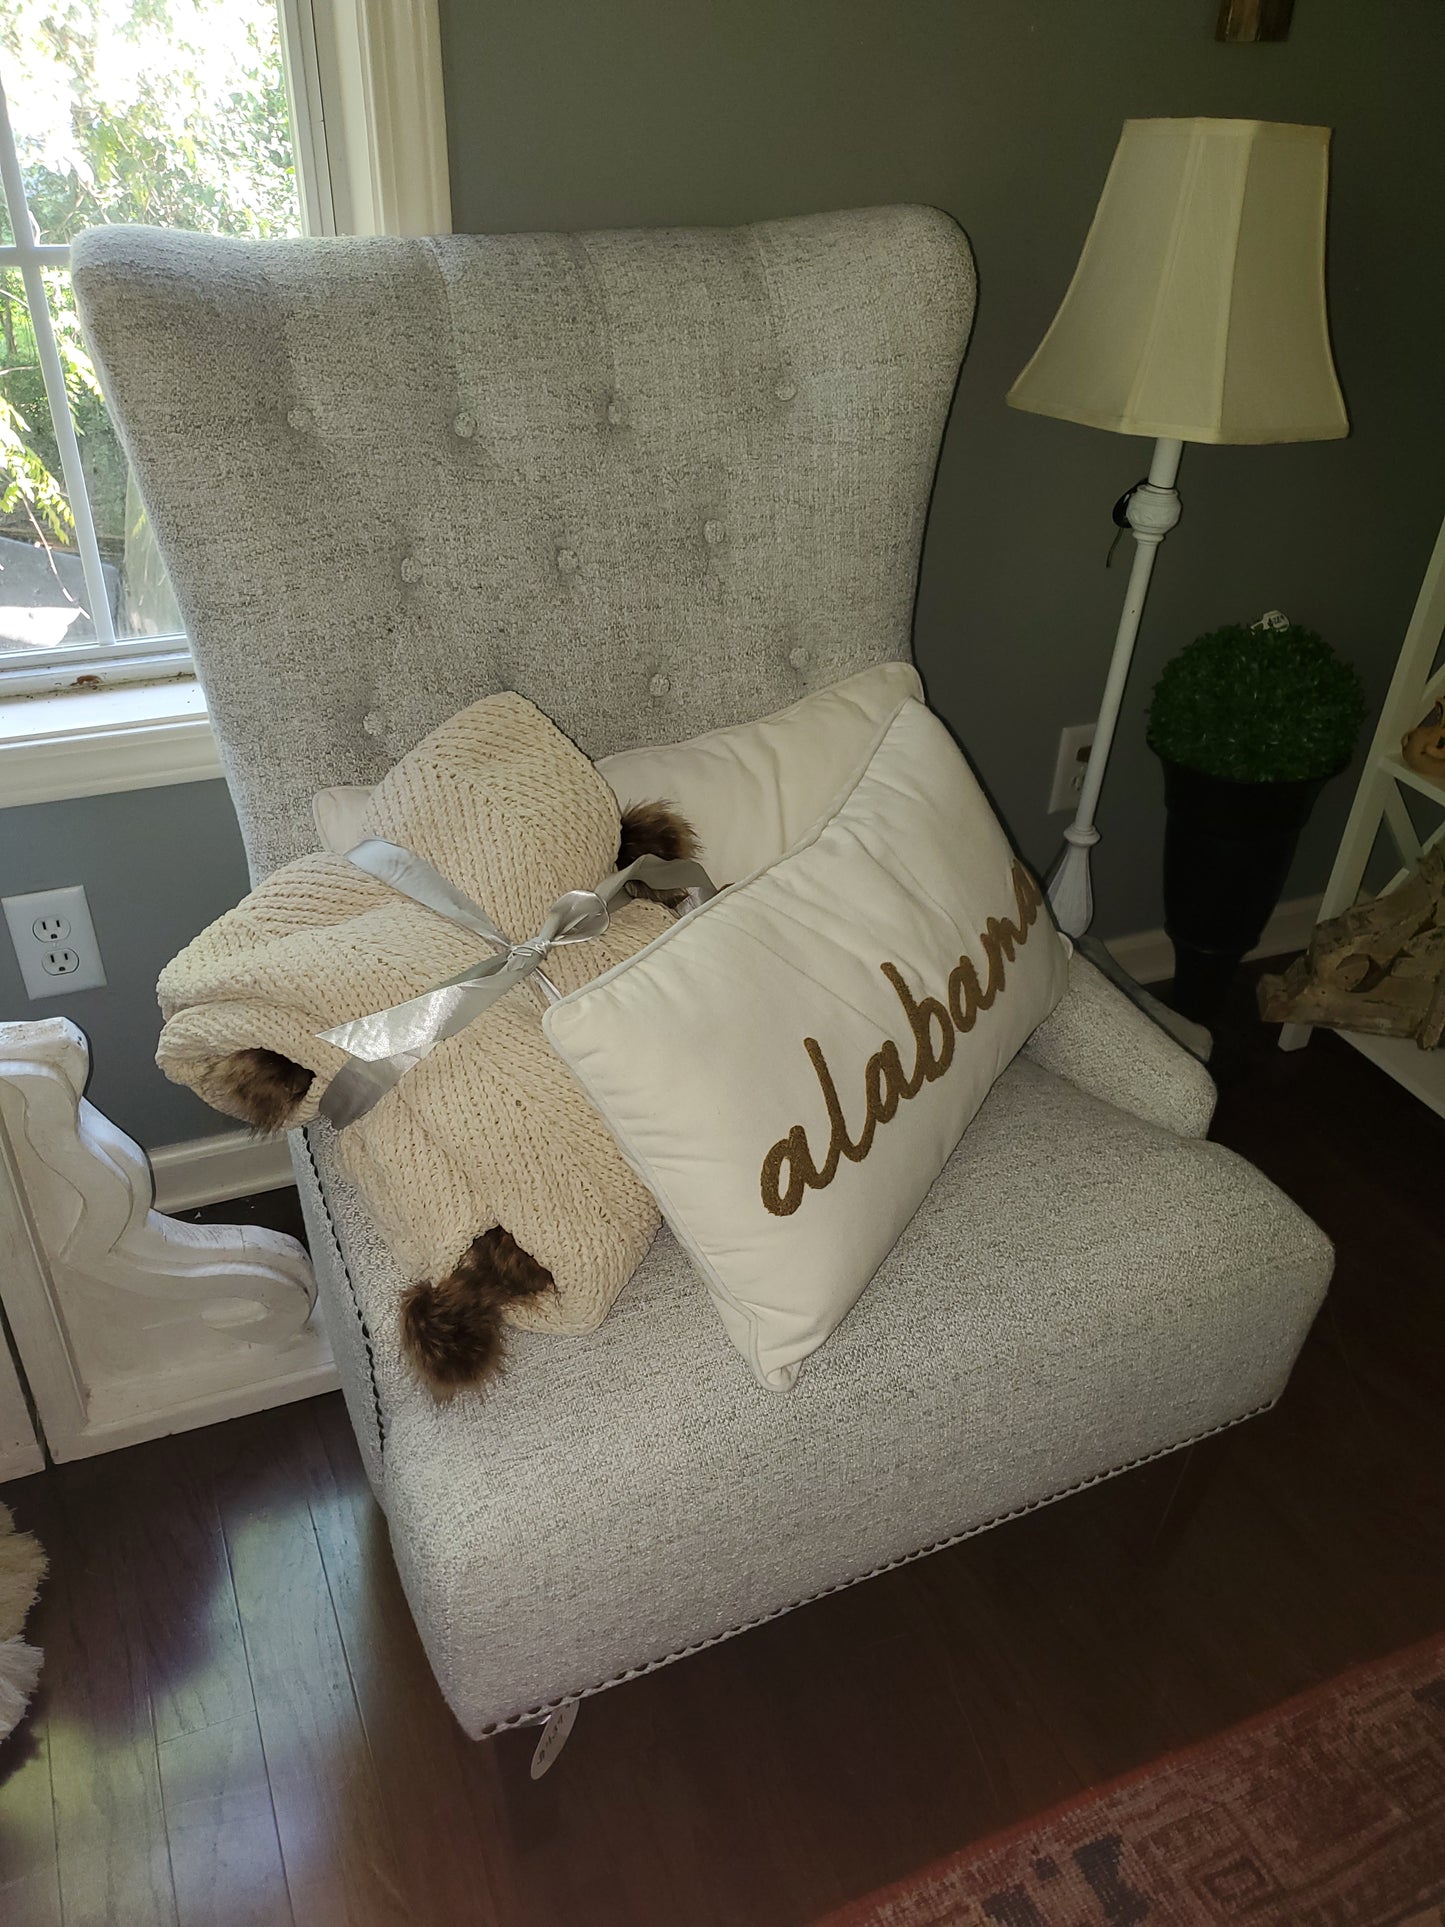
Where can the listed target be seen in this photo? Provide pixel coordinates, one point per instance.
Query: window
(169, 112)
(235, 116)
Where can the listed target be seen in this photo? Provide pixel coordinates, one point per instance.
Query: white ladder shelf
(1380, 804)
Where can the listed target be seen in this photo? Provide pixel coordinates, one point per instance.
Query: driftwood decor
(1379, 968)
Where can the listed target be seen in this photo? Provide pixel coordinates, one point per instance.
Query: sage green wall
(157, 865)
(592, 113)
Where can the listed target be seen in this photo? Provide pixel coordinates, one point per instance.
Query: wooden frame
(1380, 805)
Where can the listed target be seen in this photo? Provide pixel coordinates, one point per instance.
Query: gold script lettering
(935, 1026)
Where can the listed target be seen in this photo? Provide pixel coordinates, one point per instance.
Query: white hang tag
(553, 1738)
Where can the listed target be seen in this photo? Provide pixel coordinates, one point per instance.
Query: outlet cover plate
(46, 925)
(1073, 761)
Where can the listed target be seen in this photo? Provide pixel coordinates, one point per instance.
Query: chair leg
(555, 1731)
(1197, 1468)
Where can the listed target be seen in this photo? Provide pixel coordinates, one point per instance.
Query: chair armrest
(1100, 1040)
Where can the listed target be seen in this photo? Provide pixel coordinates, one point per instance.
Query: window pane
(171, 112)
(43, 600)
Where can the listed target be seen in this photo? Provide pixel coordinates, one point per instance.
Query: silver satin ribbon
(386, 1045)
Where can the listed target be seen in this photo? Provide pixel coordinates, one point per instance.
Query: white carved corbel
(129, 1324)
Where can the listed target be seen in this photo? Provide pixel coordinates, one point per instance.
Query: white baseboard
(1148, 955)
(211, 1170)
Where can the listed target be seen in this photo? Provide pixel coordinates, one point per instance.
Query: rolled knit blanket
(489, 1129)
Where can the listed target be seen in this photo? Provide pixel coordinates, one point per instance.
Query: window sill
(92, 743)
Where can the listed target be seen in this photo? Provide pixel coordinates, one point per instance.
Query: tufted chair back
(655, 481)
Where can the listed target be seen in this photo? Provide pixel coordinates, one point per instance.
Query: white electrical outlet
(54, 941)
(1071, 767)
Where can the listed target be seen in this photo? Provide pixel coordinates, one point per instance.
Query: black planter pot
(1227, 851)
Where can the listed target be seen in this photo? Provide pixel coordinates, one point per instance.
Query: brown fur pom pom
(452, 1328)
(262, 1086)
(655, 829)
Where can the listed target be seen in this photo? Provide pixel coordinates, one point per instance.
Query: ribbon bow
(384, 1046)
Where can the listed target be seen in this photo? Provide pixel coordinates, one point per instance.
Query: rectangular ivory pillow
(789, 1068)
(751, 790)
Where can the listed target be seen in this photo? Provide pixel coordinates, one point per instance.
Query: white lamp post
(1196, 314)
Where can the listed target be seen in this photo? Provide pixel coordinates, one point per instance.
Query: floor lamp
(1196, 314)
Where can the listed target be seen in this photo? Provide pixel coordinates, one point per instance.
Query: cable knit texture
(490, 1128)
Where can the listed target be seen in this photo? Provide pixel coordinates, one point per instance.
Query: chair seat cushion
(1080, 1290)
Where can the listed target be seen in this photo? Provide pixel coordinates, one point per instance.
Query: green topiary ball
(1257, 706)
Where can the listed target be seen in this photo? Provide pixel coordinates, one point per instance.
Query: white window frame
(364, 85)
(30, 257)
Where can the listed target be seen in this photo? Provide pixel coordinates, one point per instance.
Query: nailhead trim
(345, 1271)
(534, 1714)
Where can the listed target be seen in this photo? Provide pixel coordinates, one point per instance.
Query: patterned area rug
(1327, 1812)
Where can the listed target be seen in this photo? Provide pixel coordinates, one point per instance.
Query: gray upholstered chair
(659, 482)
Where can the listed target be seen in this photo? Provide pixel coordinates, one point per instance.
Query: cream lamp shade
(1197, 310)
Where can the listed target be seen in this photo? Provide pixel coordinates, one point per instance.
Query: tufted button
(659, 685)
(410, 569)
(713, 533)
(798, 658)
(371, 723)
(616, 413)
(567, 561)
(465, 425)
(785, 389)
(299, 417)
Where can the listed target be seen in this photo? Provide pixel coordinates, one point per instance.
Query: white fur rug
(22, 1567)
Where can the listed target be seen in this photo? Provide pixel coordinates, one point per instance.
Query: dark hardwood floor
(237, 1724)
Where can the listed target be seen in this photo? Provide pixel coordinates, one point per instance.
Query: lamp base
(1070, 892)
